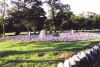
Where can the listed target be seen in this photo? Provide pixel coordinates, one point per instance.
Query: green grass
(13, 33)
(39, 54)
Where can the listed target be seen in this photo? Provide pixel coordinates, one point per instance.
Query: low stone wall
(89, 58)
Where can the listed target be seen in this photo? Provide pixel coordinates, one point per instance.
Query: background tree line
(23, 18)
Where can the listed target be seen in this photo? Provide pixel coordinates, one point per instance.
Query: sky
(77, 6)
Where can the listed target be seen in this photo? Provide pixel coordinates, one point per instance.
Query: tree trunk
(3, 29)
(54, 28)
(17, 31)
(76, 30)
(93, 29)
(85, 29)
(4, 21)
(53, 19)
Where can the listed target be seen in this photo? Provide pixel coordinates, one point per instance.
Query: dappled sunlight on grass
(11, 33)
(40, 54)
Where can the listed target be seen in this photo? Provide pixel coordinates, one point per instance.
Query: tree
(28, 17)
(63, 18)
(35, 18)
(3, 11)
(46, 26)
(75, 21)
(17, 14)
(56, 5)
(82, 20)
(1, 20)
(97, 19)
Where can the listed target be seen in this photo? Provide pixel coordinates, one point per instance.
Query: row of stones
(89, 58)
(50, 32)
(42, 33)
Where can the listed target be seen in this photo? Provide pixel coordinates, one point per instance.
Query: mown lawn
(39, 54)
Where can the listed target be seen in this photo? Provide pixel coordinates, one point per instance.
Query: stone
(67, 32)
(76, 58)
(46, 32)
(72, 61)
(80, 56)
(89, 55)
(72, 31)
(67, 63)
(42, 34)
(82, 30)
(50, 32)
(62, 32)
(60, 65)
(29, 33)
(56, 34)
(34, 32)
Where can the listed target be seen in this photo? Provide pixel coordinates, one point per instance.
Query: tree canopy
(28, 17)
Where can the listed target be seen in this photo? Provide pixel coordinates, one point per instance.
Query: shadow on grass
(35, 62)
(92, 44)
(74, 46)
(1, 41)
(56, 46)
(62, 46)
(39, 51)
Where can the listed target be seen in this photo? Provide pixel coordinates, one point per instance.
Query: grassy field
(39, 54)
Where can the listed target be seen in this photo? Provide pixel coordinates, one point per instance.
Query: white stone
(89, 53)
(93, 50)
(42, 34)
(84, 55)
(29, 33)
(80, 56)
(72, 62)
(76, 58)
(60, 65)
(67, 63)
(72, 31)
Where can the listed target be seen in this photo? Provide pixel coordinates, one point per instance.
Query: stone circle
(63, 37)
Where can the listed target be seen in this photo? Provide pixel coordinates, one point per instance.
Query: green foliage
(56, 5)
(34, 19)
(63, 20)
(51, 25)
(64, 25)
(46, 27)
(3, 13)
(31, 18)
(1, 24)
